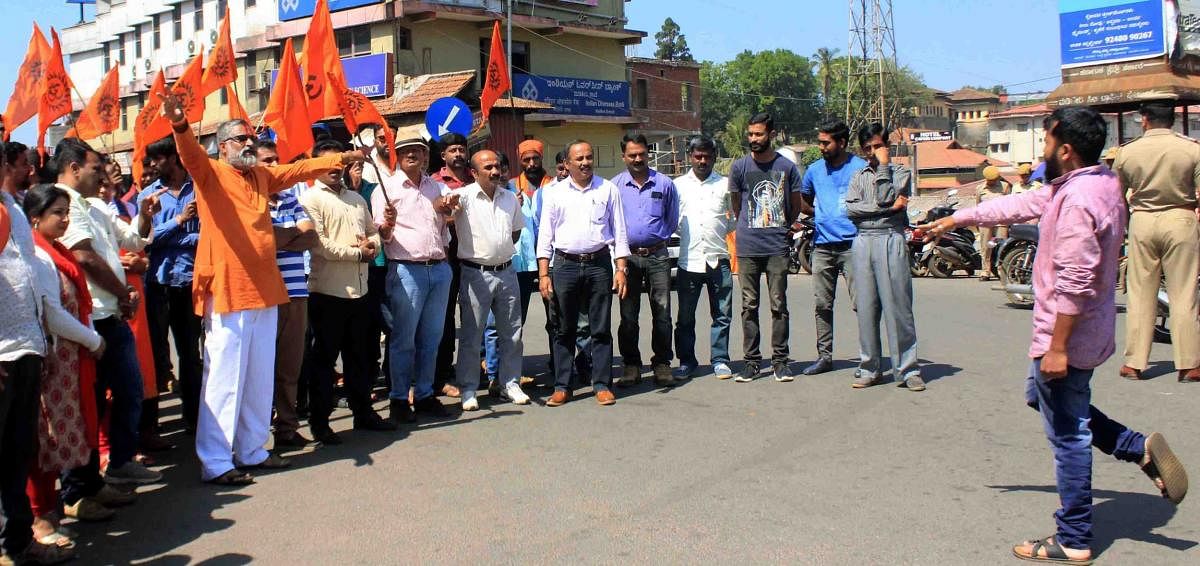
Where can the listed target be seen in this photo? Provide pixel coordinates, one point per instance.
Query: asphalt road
(809, 472)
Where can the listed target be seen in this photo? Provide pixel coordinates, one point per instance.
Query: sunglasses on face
(241, 138)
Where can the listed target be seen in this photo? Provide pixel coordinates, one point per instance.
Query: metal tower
(871, 65)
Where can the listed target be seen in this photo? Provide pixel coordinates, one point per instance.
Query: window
(156, 34)
(137, 42)
(198, 14)
(639, 94)
(1022, 127)
(221, 5)
(403, 39)
(177, 21)
(685, 97)
(520, 55)
(124, 117)
(224, 96)
(250, 3)
(353, 41)
(107, 57)
(121, 49)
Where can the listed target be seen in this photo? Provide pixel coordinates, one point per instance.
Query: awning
(1122, 87)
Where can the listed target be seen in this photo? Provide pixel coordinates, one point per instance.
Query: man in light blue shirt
(824, 189)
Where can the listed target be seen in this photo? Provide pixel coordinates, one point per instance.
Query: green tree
(672, 45)
(905, 85)
(810, 155)
(732, 137)
(824, 59)
(994, 89)
(778, 81)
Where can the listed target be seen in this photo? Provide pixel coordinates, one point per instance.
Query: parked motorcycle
(1014, 263)
(800, 253)
(915, 238)
(954, 250)
(1162, 322)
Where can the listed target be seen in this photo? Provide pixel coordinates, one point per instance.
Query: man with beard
(767, 198)
(582, 227)
(651, 209)
(704, 223)
(237, 287)
(19, 173)
(1081, 216)
(454, 174)
(411, 211)
(176, 231)
(824, 189)
(489, 224)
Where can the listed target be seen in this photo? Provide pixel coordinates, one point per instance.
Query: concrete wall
(605, 138)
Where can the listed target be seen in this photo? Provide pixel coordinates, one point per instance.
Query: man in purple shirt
(582, 229)
(1081, 216)
(651, 216)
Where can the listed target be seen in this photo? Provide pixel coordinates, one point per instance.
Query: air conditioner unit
(264, 83)
(191, 47)
(252, 82)
(147, 64)
(212, 37)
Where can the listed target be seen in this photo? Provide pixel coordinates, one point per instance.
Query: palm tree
(824, 57)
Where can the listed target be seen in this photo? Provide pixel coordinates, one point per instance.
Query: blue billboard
(1094, 32)
(370, 75)
(296, 9)
(569, 95)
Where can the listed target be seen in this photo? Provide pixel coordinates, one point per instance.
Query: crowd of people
(265, 274)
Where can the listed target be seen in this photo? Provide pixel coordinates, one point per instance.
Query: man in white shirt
(96, 237)
(705, 220)
(489, 225)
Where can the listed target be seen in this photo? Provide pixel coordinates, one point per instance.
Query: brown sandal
(1054, 552)
(233, 477)
(1164, 466)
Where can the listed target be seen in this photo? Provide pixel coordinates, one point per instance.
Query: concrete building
(969, 114)
(934, 115)
(666, 98)
(568, 55)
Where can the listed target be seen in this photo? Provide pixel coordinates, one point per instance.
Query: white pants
(239, 381)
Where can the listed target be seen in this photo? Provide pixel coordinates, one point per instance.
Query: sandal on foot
(273, 462)
(1164, 466)
(233, 477)
(1054, 552)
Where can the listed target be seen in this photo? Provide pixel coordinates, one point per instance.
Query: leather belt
(425, 262)
(583, 258)
(648, 251)
(482, 267)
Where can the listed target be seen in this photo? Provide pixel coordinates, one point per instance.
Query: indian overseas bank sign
(296, 9)
(570, 95)
(1095, 32)
(369, 75)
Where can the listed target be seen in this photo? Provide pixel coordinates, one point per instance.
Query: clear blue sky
(948, 42)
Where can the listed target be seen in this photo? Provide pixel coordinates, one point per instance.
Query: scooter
(1014, 263)
(1162, 322)
(800, 252)
(915, 238)
(955, 250)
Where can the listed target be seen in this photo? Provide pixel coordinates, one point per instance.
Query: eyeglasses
(240, 139)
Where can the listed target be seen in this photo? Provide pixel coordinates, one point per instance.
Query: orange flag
(320, 58)
(23, 104)
(150, 125)
(496, 80)
(287, 111)
(236, 112)
(54, 96)
(188, 88)
(357, 110)
(103, 112)
(221, 69)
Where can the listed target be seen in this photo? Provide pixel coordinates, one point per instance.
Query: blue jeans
(418, 295)
(118, 371)
(1073, 426)
(719, 282)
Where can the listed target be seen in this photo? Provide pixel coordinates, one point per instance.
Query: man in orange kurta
(236, 288)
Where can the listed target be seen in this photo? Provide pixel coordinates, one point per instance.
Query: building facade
(970, 110)
(567, 54)
(666, 98)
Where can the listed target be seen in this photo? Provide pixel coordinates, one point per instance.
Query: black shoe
(822, 365)
(371, 421)
(749, 372)
(400, 412)
(430, 405)
(325, 435)
(294, 440)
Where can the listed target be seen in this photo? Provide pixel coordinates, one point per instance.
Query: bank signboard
(1095, 32)
(296, 9)
(578, 96)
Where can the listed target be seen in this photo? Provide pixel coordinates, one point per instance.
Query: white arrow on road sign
(444, 127)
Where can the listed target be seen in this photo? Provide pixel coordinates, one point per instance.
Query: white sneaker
(469, 402)
(513, 393)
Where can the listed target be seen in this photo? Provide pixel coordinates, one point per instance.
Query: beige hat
(991, 173)
(1111, 153)
(410, 135)
(1024, 169)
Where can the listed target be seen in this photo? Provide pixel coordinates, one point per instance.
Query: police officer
(1160, 172)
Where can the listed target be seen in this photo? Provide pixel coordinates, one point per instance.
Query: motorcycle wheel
(805, 255)
(1162, 328)
(1016, 267)
(939, 267)
(915, 265)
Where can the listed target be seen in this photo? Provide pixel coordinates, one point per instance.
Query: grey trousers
(884, 292)
(481, 292)
(828, 261)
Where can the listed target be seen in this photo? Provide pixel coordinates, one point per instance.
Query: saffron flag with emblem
(188, 87)
(319, 59)
(495, 81)
(287, 111)
(54, 96)
(103, 112)
(23, 104)
(150, 125)
(236, 111)
(222, 69)
(357, 111)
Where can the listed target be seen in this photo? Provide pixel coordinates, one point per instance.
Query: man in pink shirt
(1081, 217)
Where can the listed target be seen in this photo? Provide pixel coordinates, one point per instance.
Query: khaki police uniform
(1160, 172)
(983, 193)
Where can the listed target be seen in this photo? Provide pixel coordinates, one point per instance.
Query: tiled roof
(424, 91)
(1027, 110)
(950, 155)
(972, 94)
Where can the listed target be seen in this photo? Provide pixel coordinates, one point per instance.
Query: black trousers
(19, 409)
(652, 274)
(339, 328)
(171, 309)
(379, 324)
(751, 271)
(583, 287)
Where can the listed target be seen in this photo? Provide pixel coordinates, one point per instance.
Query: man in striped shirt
(294, 233)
